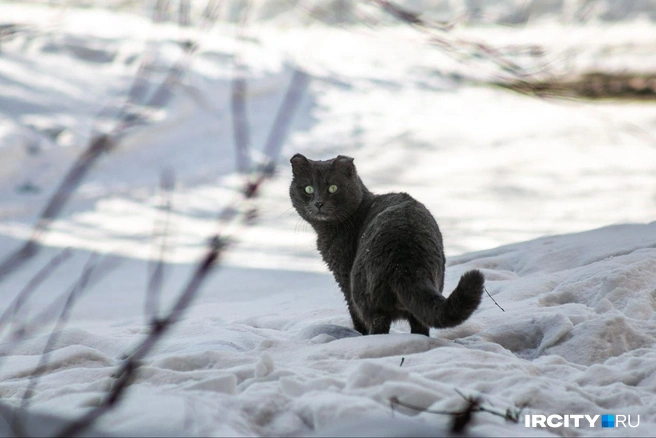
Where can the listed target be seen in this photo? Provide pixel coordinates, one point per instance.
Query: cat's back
(397, 221)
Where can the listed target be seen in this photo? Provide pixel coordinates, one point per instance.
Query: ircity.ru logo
(607, 420)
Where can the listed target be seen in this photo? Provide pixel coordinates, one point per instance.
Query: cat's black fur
(385, 251)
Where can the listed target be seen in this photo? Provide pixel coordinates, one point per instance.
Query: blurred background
(509, 119)
(134, 132)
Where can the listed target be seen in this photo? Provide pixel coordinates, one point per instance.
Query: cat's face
(325, 191)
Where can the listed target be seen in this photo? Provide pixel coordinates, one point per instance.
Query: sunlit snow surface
(267, 349)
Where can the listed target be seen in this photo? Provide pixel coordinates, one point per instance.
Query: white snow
(563, 191)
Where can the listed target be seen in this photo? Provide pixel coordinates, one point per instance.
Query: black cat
(385, 251)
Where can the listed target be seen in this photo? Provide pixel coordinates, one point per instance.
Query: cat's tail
(431, 308)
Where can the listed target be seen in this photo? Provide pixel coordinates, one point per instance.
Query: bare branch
(495, 301)
(184, 10)
(462, 417)
(100, 145)
(161, 10)
(73, 295)
(395, 401)
(408, 16)
(18, 332)
(167, 181)
(510, 414)
(297, 87)
(211, 12)
(278, 133)
(130, 365)
(456, 47)
(217, 246)
(238, 103)
(32, 285)
(460, 422)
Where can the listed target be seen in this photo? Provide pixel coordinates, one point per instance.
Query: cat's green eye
(309, 190)
(332, 188)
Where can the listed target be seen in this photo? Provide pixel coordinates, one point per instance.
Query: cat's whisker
(289, 216)
(288, 213)
(298, 225)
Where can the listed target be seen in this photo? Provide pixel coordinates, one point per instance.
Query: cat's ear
(344, 164)
(300, 164)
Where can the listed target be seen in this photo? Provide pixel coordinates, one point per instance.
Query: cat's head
(325, 191)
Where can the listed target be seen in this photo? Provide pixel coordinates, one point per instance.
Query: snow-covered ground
(266, 348)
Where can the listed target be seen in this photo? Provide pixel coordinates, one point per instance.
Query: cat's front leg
(346, 287)
(358, 324)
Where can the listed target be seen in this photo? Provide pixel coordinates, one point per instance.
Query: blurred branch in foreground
(104, 143)
(158, 329)
(462, 418)
(240, 129)
(161, 231)
(75, 292)
(16, 305)
(92, 274)
(459, 48)
(233, 213)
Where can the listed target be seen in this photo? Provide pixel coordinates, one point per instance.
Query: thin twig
(32, 285)
(240, 129)
(211, 11)
(460, 418)
(164, 92)
(9, 417)
(276, 139)
(167, 182)
(411, 17)
(218, 243)
(509, 414)
(41, 368)
(495, 301)
(184, 9)
(18, 332)
(460, 422)
(217, 246)
(127, 370)
(452, 46)
(139, 85)
(295, 92)
(160, 10)
(395, 401)
(100, 145)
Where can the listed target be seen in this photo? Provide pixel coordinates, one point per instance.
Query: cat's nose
(318, 204)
